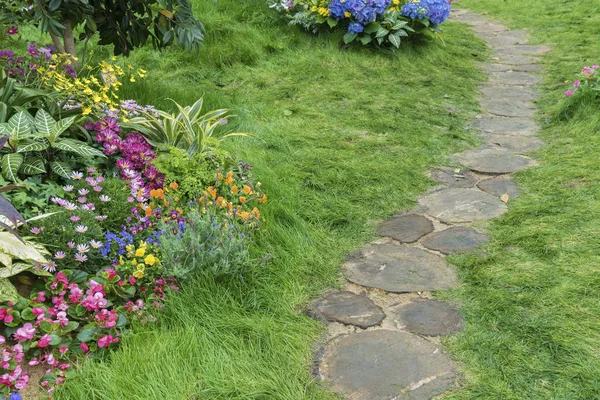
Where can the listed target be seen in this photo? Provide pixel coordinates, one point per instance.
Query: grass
(348, 134)
(531, 300)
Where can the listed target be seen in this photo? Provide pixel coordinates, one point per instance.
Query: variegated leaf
(19, 124)
(32, 145)
(62, 126)
(44, 122)
(75, 146)
(11, 163)
(8, 291)
(61, 168)
(14, 269)
(12, 246)
(33, 166)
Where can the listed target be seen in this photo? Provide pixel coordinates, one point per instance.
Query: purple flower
(13, 30)
(71, 245)
(75, 218)
(32, 49)
(6, 53)
(60, 255)
(50, 266)
(81, 229)
(101, 217)
(81, 257)
(68, 188)
(35, 230)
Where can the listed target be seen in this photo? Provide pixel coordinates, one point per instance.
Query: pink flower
(81, 229)
(44, 341)
(83, 248)
(8, 319)
(2, 339)
(13, 30)
(569, 93)
(62, 278)
(104, 198)
(35, 230)
(106, 341)
(76, 175)
(83, 192)
(81, 257)
(26, 332)
(75, 218)
(37, 311)
(101, 217)
(63, 349)
(82, 199)
(97, 188)
(68, 188)
(84, 347)
(71, 245)
(576, 84)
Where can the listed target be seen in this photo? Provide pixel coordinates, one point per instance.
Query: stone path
(385, 329)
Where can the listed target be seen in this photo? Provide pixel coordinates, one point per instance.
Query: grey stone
(347, 308)
(520, 68)
(406, 228)
(515, 78)
(455, 240)
(500, 186)
(521, 144)
(507, 126)
(492, 160)
(506, 38)
(456, 205)
(385, 365)
(488, 27)
(519, 93)
(461, 178)
(430, 317)
(400, 269)
(521, 50)
(508, 107)
(469, 18)
(515, 60)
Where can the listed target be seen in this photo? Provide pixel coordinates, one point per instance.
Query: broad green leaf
(8, 291)
(27, 314)
(86, 335)
(33, 166)
(349, 37)
(332, 22)
(366, 39)
(61, 168)
(398, 25)
(46, 326)
(62, 126)
(55, 339)
(11, 245)
(44, 122)
(395, 40)
(71, 326)
(32, 145)
(381, 32)
(4, 130)
(19, 124)
(372, 27)
(15, 269)
(11, 162)
(77, 147)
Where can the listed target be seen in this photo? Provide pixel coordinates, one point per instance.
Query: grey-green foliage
(206, 242)
(34, 143)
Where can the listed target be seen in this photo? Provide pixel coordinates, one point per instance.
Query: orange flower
(229, 180)
(166, 202)
(157, 193)
(263, 199)
(219, 176)
(247, 189)
(201, 200)
(219, 200)
(256, 213)
(230, 206)
(211, 191)
(148, 211)
(235, 189)
(244, 215)
(242, 199)
(174, 185)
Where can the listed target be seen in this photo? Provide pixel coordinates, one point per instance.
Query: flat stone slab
(521, 50)
(506, 68)
(504, 38)
(405, 228)
(400, 269)
(385, 365)
(455, 240)
(347, 308)
(430, 317)
(508, 107)
(490, 160)
(513, 93)
(461, 178)
(489, 27)
(456, 205)
(507, 126)
(515, 78)
(521, 144)
(515, 59)
(500, 186)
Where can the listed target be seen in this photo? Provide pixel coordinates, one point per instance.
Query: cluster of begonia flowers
(135, 165)
(587, 73)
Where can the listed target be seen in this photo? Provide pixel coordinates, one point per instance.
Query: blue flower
(355, 27)
(15, 396)
(337, 9)
(415, 10)
(380, 5)
(439, 10)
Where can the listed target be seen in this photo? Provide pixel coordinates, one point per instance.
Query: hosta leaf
(395, 40)
(11, 163)
(44, 122)
(62, 126)
(32, 145)
(20, 124)
(8, 291)
(75, 146)
(348, 37)
(12, 246)
(381, 32)
(61, 168)
(33, 166)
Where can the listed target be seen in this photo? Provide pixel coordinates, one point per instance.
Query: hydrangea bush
(383, 22)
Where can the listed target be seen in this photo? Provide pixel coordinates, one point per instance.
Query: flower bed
(130, 202)
(379, 22)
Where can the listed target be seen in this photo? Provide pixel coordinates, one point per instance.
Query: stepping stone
(521, 144)
(400, 269)
(516, 78)
(508, 126)
(506, 68)
(405, 228)
(455, 240)
(504, 39)
(515, 60)
(461, 179)
(520, 93)
(521, 50)
(500, 186)
(347, 308)
(489, 27)
(508, 107)
(491, 160)
(430, 317)
(456, 205)
(385, 365)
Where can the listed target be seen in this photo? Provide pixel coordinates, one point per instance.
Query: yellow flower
(134, 261)
(347, 14)
(150, 259)
(140, 252)
(138, 274)
(132, 78)
(129, 247)
(121, 262)
(86, 110)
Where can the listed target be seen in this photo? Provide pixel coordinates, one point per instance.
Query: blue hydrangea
(439, 10)
(15, 396)
(415, 10)
(355, 27)
(337, 9)
(364, 11)
(380, 5)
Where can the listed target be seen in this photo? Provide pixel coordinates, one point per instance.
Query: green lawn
(532, 301)
(349, 134)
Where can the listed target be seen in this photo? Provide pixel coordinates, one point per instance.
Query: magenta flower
(60, 255)
(13, 30)
(75, 218)
(83, 248)
(26, 332)
(569, 93)
(84, 347)
(576, 84)
(71, 245)
(81, 229)
(35, 230)
(106, 341)
(81, 257)
(44, 341)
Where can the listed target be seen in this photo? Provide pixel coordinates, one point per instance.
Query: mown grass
(532, 299)
(347, 136)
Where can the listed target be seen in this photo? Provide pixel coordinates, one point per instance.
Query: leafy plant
(9, 216)
(35, 143)
(188, 129)
(15, 97)
(390, 30)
